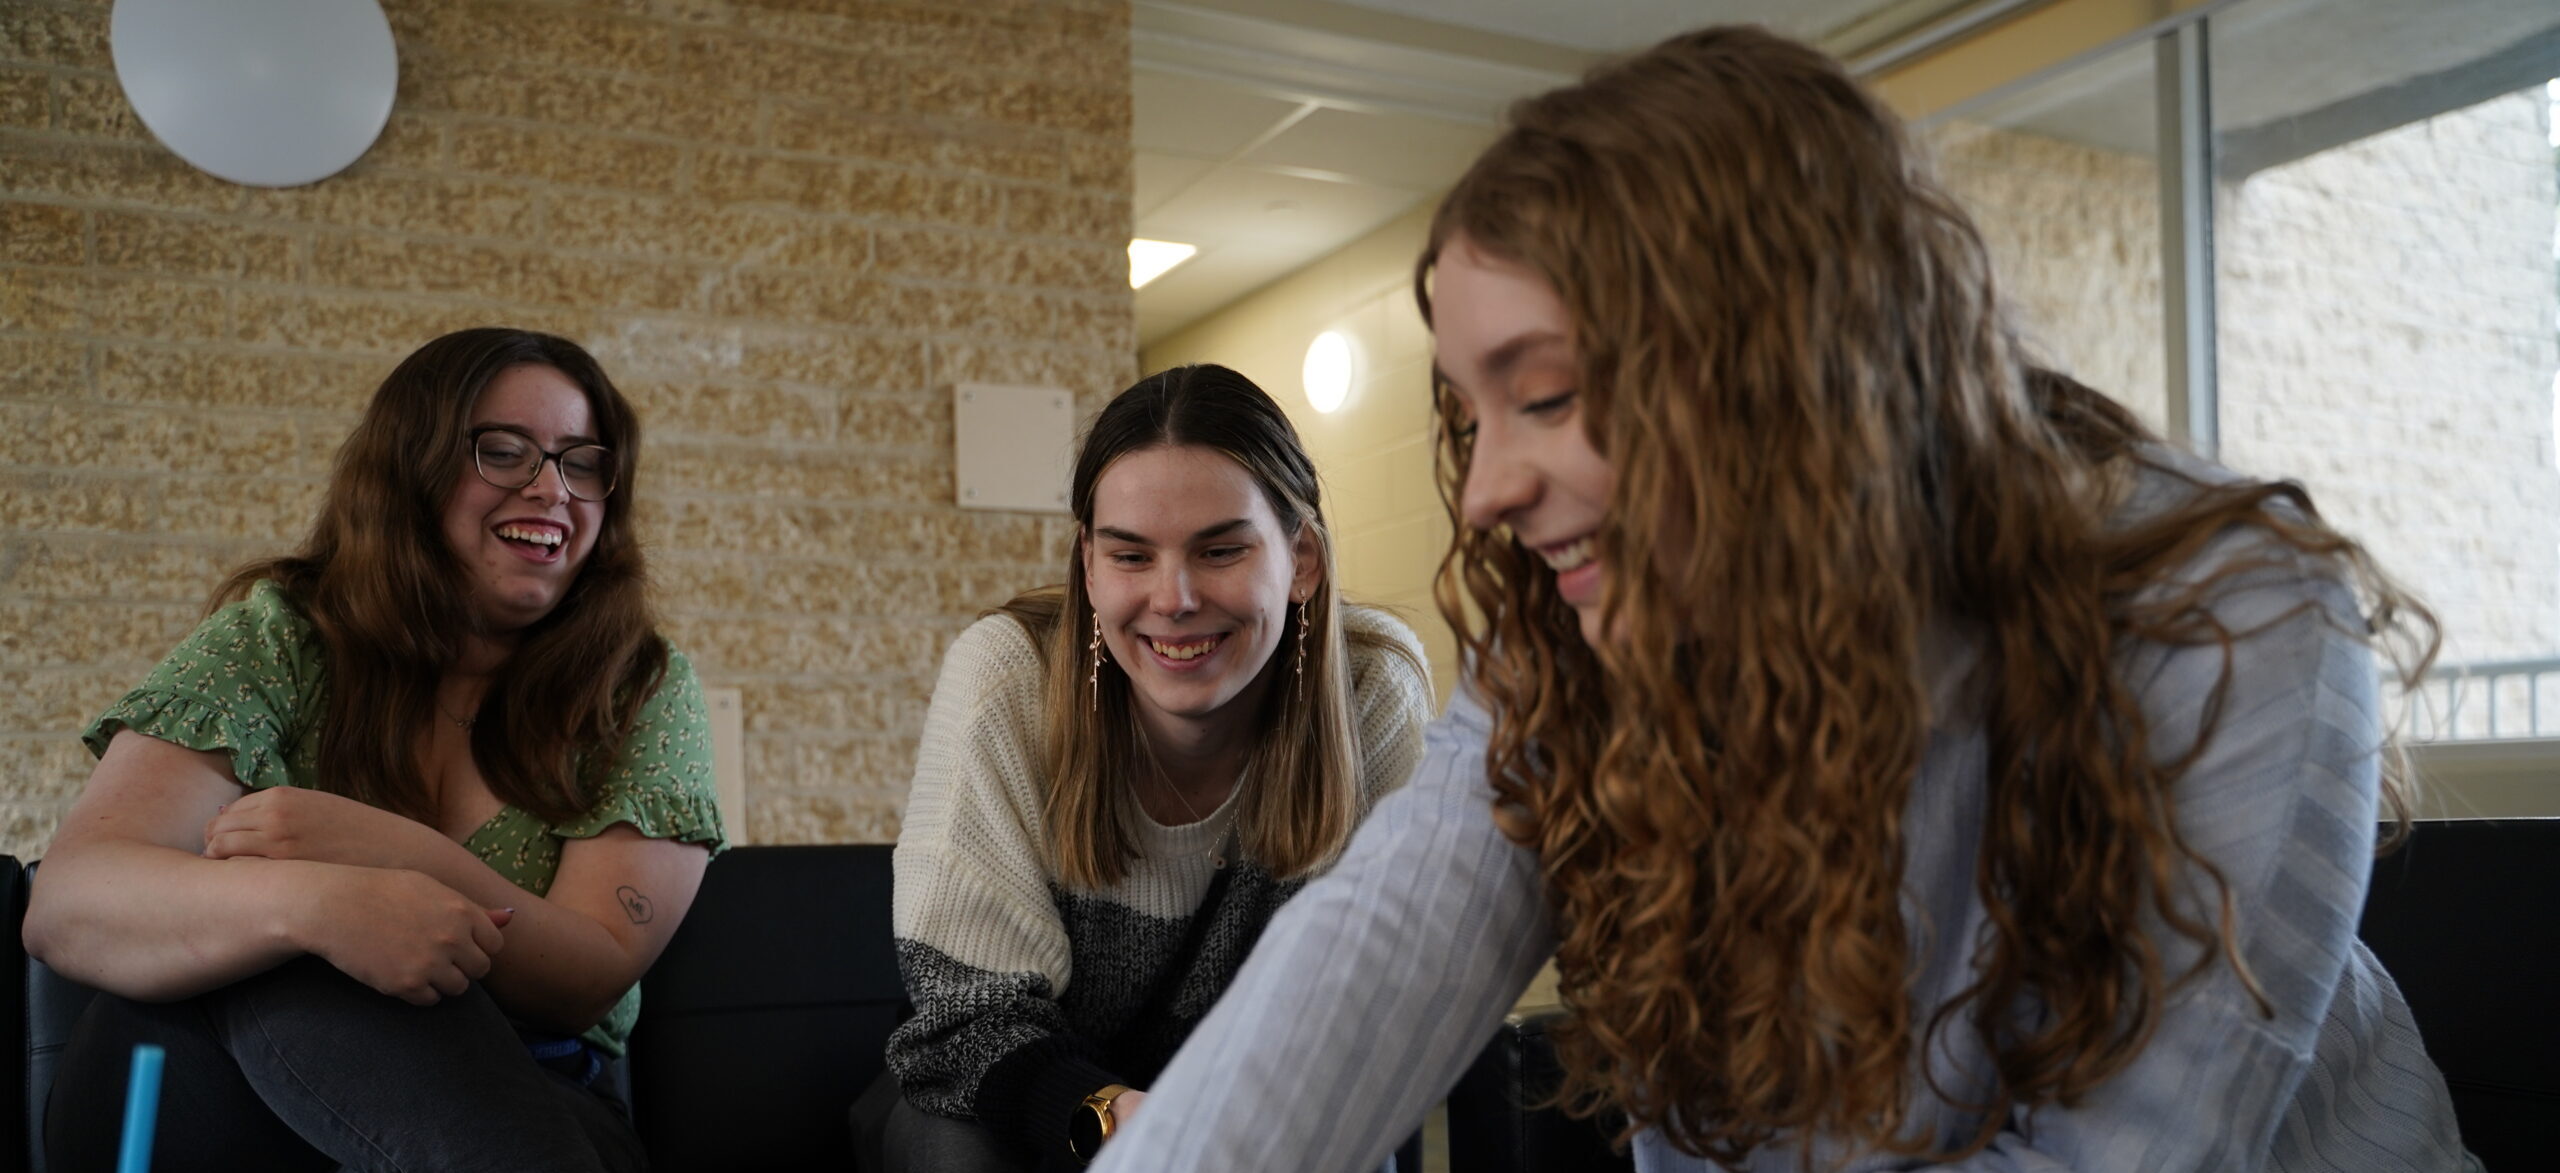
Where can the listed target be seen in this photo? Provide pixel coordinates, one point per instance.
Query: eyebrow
(1499, 362)
(571, 441)
(1122, 535)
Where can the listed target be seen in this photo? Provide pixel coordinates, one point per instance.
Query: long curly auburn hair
(1827, 440)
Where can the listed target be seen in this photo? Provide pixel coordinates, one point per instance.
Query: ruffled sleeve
(662, 783)
(239, 683)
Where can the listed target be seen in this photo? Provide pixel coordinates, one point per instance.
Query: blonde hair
(1301, 795)
(1792, 354)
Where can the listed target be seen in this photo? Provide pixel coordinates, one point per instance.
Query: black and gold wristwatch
(1093, 1122)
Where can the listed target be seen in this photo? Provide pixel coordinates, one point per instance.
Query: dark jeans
(303, 1067)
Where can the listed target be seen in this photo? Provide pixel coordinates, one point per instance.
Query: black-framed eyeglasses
(509, 459)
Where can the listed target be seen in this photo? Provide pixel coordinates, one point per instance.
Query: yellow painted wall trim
(2487, 779)
(2020, 47)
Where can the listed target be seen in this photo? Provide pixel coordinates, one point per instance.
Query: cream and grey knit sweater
(1026, 993)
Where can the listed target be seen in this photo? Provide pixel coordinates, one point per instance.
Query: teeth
(547, 537)
(1572, 557)
(1190, 651)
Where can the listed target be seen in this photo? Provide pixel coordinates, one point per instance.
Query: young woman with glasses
(1909, 759)
(379, 853)
(1121, 778)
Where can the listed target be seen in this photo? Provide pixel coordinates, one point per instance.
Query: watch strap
(1095, 1121)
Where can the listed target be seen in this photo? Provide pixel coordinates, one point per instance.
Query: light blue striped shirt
(1373, 989)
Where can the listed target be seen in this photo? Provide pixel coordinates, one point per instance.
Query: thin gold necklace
(1176, 791)
(1217, 856)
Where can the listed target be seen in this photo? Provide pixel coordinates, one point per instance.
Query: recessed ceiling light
(1150, 259)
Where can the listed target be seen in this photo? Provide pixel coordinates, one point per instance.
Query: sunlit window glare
(1150, 259)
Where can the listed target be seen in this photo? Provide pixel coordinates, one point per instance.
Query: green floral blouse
(252, 680)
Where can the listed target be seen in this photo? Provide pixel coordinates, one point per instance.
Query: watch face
(1084, 1131)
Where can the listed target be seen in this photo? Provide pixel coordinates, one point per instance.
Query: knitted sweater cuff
(1030, 1095)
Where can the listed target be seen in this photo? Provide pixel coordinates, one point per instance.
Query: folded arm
(980, 940)
(572, 952)
(126, 902)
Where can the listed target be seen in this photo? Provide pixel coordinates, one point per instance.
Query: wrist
(303, 895)
(1094, 1121)
(425, 849)
(1029, 1095)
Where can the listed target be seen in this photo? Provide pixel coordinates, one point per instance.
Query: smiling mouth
(532, 535)
(541, 544)
(1187, 649)
(1571, 556)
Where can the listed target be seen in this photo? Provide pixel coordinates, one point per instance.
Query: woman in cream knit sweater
(1122, 779)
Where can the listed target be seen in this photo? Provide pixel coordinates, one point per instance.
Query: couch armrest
(1497, 1123)
(2461, 919)
(768, 1013)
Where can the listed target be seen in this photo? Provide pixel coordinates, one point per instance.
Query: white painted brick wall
(2388, 338)
(2387, 318)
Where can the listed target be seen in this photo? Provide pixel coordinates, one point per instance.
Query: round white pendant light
(269, 93)
(1327, 372)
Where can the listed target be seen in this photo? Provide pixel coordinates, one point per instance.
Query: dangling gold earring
(1095, 650)
(1302, 644)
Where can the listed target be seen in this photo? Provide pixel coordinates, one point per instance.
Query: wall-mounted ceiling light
(1327, 372)
(258, 92)
(1150, 259)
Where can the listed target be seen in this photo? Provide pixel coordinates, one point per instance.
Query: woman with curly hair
(1908, 758)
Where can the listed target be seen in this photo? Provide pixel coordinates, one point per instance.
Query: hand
(285, 822)
(1124, 1108)
(402, 933)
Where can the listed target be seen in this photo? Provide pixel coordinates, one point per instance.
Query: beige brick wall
(785, 226)
(2074, 235)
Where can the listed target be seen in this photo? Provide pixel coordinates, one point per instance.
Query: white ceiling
(1618, 25)
(1270, 133)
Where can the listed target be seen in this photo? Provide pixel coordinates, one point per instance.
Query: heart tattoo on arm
(634, 905)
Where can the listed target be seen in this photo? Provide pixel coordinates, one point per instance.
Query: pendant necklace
(1217, 852)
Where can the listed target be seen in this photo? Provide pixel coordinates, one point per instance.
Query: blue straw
(141, 1110)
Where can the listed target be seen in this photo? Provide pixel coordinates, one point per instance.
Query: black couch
(2466, 916)
(2462, 915)
(763, 1020)
(768, 1012)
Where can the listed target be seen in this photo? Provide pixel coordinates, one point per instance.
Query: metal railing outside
(2490, 700)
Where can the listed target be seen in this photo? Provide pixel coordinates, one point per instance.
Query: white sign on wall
(729, 759)
(1013, 447)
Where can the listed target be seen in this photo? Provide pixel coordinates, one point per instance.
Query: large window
(2320, 239)
(2389, 315)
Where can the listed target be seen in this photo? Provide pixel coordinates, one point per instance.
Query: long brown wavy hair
(1301, 795)
(1826, 440)
(390, 600)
